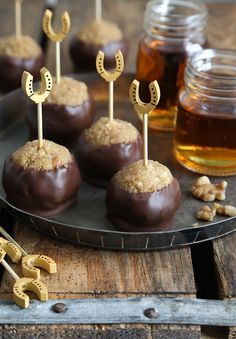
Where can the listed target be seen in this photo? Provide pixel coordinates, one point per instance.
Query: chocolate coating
(45, 192)
(98, 164)
(62, 124)
(141, 212)
(83, 54)
(11, 69)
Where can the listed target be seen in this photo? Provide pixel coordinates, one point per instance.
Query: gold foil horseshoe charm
(139, 105)
(38, 97)
(144, 109)
(45, 85)
(31, 262)
(26, 284)
(22, 284)
(7, 248)
(111, 75)
(49, 31)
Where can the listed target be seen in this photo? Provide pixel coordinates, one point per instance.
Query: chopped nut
(227, 210)
(137, 178)
(204, 190)
(49, 157)
(23, 47)
(105, 132)
(68, 92)
(206, 213)
(196, 224)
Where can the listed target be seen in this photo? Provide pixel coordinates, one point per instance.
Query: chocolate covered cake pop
(68, 111)
(97, 35)
(109, 144)
(43, 181)
(141, 198)
(16, 55)
(106, 147)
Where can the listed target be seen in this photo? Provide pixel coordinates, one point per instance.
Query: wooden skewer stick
(98, 10)
(18, 19)
(31, 262)
(145, 109)
(110, 76)
(38, 97)
(24, 284)
(56, 36)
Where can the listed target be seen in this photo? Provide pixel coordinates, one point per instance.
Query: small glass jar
(174, 29)
(205, 136)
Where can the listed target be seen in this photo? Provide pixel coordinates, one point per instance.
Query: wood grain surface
(86, 273)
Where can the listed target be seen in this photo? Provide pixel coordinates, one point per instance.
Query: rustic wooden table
(205, 271)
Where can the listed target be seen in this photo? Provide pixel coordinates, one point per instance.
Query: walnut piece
(206, 213)
(203, 189)
(228, 210)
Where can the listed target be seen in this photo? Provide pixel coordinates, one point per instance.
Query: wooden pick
(145, 109)
(38, 97)
(18, 18)
(24, 284)
(110, 76)
(56, 36)
(98, 10)
(30, 262)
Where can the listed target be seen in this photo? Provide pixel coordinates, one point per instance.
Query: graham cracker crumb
(68, 92)
(105, 132)
(49, 157)
(137, 178)
(100, 33)
(23, 47)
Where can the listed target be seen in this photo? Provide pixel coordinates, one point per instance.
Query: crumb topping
(22, 47)
(100, 33)
(136, 178)
(105, 132)
(68, 92)
(49, 157)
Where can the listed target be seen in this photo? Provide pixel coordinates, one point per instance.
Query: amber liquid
(167, 67)
(206, 143)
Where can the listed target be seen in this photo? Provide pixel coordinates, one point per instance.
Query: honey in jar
(174, 30)
(205, 136)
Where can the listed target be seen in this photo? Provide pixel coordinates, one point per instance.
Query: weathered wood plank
(90, 273)
(225, 264)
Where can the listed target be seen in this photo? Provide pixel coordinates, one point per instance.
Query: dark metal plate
(86, 224)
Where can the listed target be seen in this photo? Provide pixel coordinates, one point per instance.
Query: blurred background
(128, 14)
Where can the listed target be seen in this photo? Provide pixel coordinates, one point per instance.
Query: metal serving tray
(85, 223)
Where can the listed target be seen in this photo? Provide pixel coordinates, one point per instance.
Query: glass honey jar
(205, 135)
(174, 29)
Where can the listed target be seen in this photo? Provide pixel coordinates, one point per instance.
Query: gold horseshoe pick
(56, 36)
(39, 96)
(49, 31)
(23, 284)
(110, 76)
(30, 263)
(145, 109)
